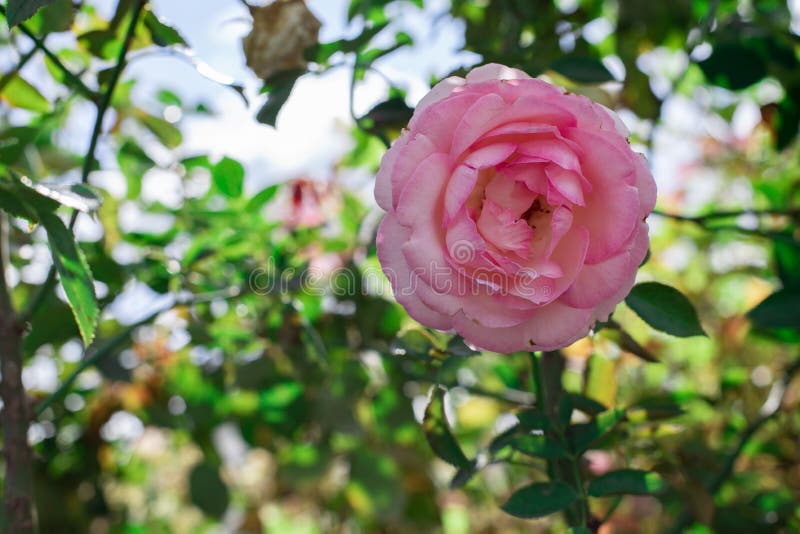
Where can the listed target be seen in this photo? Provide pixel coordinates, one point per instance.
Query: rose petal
(495, 112)
(383, 179)
(405, 284)
(612, 208)
(494, 71)
(410, 157)
(598, 282)
(510, 194)
(646, 186)
(440, 91)
(504, 230)
(493, 311)
(439, 120)
(568, 183)
(551, 327)
(551, 150)
(419, 199)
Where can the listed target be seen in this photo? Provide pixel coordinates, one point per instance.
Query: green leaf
(13, 142)
(582, 435)
(76, 278)
(734, 66)
(228, 176)
(539, 446)
(582, 69)
(19, 10)
(665, 308)
(165, 131)
(438, 433)
(207, 491)
(539, 500)
(21, 94)
(464, 475)
(162, 34)
(779, 310)
(457, 347)
(262, 197)
(76, 196)
(279, 88)
(585, 404)
(57, 17)
(626, 482)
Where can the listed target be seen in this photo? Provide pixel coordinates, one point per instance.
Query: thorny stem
(18, 491)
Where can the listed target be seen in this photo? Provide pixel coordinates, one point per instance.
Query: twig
(72, 78)
(700, 219)
(18, 483)
(102, 107)
(380, 135)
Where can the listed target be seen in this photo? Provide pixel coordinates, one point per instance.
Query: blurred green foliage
(262, 397)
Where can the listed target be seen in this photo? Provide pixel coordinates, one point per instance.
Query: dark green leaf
(438, 433)
(280, 88)
(582, 69)
(74, 273)
(582, 435)
(13, 142)
(734, 66)
(162, 34)
(393, 113)
(787, 260)
(464, 475)
(539, 500)
(207, 491)
(585, 404)
(57, 17)
(665, 308)
(457, 347)
(539, 446)
(533, 420)
(657, 408)
(626, 482)
(19, 10)
(228, 176)
(779, 310)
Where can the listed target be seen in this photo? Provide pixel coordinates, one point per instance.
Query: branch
(18, 483)
(72, 78)
(102, 107)
(7, 77)
(701, 219)
(89, 160)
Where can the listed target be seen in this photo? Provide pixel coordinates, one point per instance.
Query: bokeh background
(251, 371)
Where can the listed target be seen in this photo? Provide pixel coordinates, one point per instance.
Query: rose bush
(516, 211)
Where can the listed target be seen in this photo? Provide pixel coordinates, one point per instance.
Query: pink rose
(516, 211)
